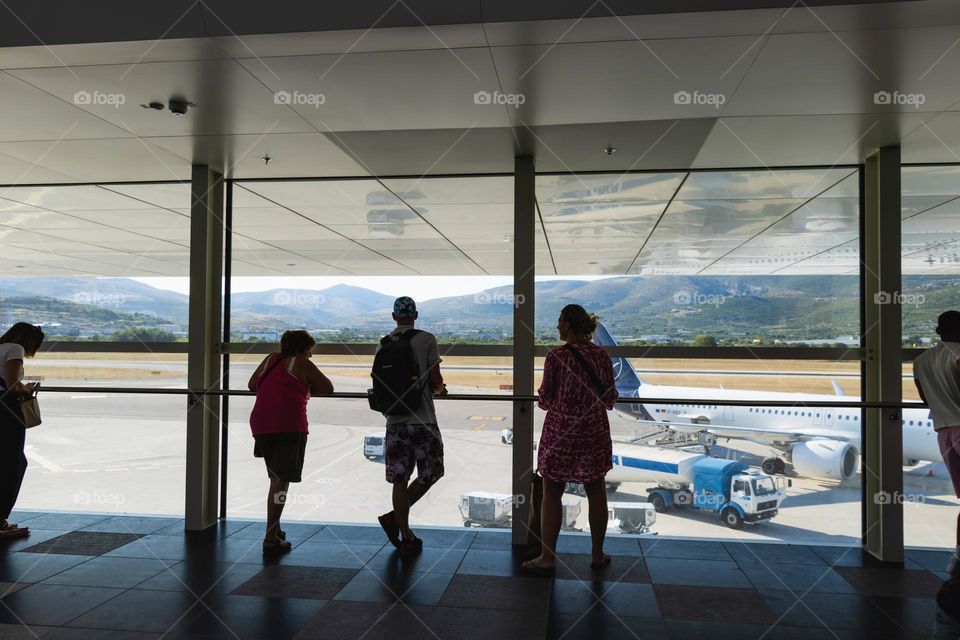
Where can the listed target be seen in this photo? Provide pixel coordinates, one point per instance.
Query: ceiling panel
(427, 89)
(104, 160)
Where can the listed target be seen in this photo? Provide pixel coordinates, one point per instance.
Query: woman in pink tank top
(283, 383)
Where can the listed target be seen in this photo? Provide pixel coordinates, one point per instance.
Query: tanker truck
(729, 488)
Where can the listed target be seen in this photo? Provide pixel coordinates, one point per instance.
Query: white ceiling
(797, 88)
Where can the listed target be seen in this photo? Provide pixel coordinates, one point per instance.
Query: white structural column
(524, 258)
(203, 373)
(882, 459)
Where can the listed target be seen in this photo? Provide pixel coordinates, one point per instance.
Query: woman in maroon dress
(577, 390)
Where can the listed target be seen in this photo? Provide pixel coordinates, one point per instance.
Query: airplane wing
(757, 434)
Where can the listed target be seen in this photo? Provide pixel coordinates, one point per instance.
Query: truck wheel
(731, 518)
(658, 503)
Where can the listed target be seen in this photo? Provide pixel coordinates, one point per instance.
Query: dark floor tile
(701, 630)
(601, 624)
(683, 549)
(243, 550)
(493, 540)
(612, 545)
(429, 560)
(83, 543)
(486, 562)
(51, 604)
(609, 598)
(709, 604)
(497, 592)
(296, 531)
(318, 583)
(137, 610)
(929, 560)
(855, 556)
(830, 611)
(325, 554)
(795, 577)
(700, 573)
(66, 633)
(130, 524)
(6, 588)
(901, 583)
(201, 576)
(350, 534)
(620, 569)
(411, 588)
(64, 521)
(24, 631)
(162, 547)
(121, 573)
(472, 623)
(223, 529)
(343, 620)
(36, 536)
(759, 552)
(447, 538)
(910, 615)
(250, 618)
(35, 567)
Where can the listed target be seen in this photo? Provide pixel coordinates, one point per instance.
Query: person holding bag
(575, 445)
(283, 383)
(21, 341)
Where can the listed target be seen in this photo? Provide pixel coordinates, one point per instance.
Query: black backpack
(397, 387)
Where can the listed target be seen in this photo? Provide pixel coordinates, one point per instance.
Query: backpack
(397, 387)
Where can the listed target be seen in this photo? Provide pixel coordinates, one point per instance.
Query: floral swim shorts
(413, 445)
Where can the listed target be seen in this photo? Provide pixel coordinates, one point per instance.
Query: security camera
(179, 106)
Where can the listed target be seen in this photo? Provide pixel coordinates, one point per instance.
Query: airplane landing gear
(774, 466)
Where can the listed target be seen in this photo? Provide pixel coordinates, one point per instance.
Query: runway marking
(487, 418)
(31, 453)
(482, 425)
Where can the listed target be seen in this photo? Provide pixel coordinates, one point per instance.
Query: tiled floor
(104, 577)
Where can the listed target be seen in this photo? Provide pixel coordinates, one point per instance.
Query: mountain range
(736, 308)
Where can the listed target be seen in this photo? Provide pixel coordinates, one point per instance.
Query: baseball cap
(404, 307)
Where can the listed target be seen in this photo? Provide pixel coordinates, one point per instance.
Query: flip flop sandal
(13, 531)
(276, 546)
(391, 528)
(602, 564)
(537, 570)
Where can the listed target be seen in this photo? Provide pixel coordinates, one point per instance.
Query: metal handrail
(842, 404)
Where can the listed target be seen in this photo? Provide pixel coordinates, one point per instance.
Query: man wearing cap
(937, 374)
(413, 439)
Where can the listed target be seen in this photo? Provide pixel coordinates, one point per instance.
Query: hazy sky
(417, 287)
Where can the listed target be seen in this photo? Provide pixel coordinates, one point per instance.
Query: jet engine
(827, 459)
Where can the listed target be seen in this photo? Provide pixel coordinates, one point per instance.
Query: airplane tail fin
(627, 380)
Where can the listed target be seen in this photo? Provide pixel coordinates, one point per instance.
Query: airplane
(820, 442)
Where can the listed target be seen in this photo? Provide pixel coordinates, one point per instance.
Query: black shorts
(283, 454)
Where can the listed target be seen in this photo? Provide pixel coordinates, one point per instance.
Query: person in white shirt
(21, 341)
(937, 375)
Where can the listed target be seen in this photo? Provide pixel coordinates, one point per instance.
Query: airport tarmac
(124, 453)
